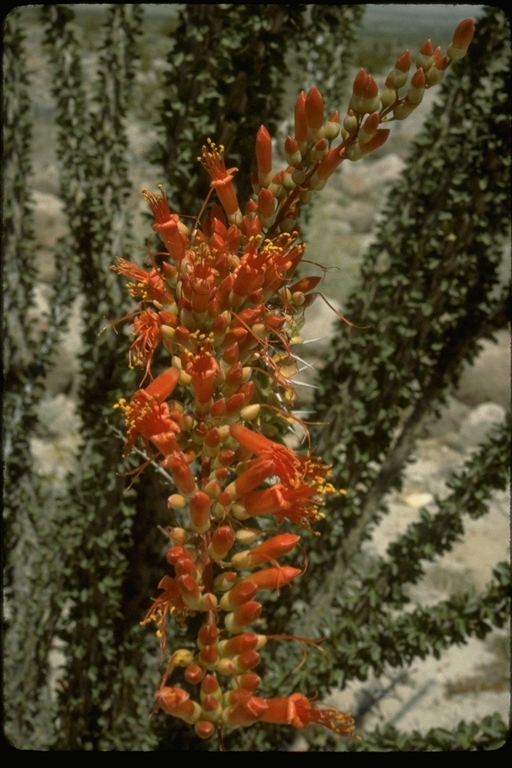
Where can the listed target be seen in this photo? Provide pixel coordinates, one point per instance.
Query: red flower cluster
(223, 303)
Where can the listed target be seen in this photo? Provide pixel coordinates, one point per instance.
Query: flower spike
(220, 312)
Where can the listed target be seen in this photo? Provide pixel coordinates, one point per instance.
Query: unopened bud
(350, 122)
(387, 97)
(250, 412)
(299, 174)
(291, 148)
(225, 581)
(244, 615)
(463, 34)
(367, 131)
(332, 126)
(208, 656)
(194, 674)
(425, 57)
(266, 203)
(434, 76)
(318, 151)
(176, 501)
(239, 594)
(263, 153)
(314, 108)
(222, 541)
(204, 729)
(417, 87)
(301, 124)
(246, 536)
(200, 512)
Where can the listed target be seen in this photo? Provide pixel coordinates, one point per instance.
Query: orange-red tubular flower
(164, 384)
(258, 471)
(314, 107)
(222, 178)
(200, 512)
(242, 616)
(271, 549)
(292, 469)
(149, 286)
(147, 327)
(298, 504)
(183, 478)
(177, 702)
(168, 224)
(247, 710)
(147, 415)
(297, 710)
(264, 151)
(272, 578)
(203, 368)
(329, 163)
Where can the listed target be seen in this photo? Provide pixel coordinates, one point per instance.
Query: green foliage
(80, 576)
(30, 581)
(488, 735)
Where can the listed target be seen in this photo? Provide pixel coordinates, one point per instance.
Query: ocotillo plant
(224, 302)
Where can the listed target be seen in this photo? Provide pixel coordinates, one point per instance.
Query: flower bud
(245, 712)
(263, 154)
(266, 203)
(387, 97)
(208, 656)
(332, 127)
(271, 549)
(370, 126)
(242, 616)
(177, 702)
(425, 57)
(225, 581)
(200, 512)
(314, 108)
(238, 664)
(301, 124)
(249, 682)
(250, 412)
(246, 536)
(350, 122)
(180, 471)
(204, 729)
(273, 578)
(223, 539)
(291, 148)
(240, 593)
(317, 151)
(249, 641)
(194, 674)
(417, 87)
(176, 501)
(462, 36)
(299, 174)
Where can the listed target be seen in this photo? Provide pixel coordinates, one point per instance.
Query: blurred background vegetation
(99, 102)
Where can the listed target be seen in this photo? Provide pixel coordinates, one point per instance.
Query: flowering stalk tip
(224, 304)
